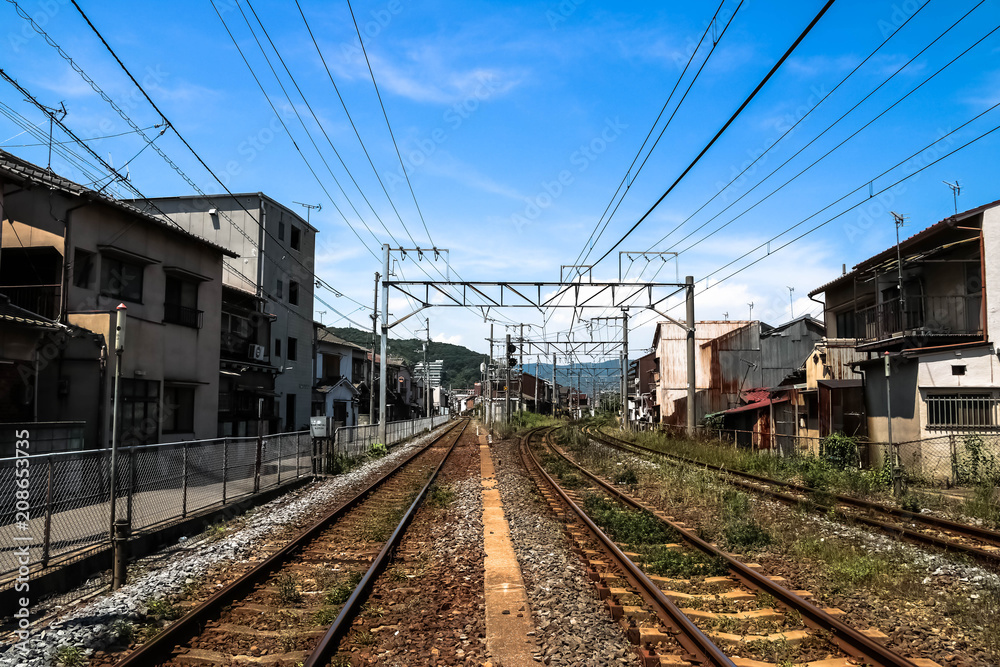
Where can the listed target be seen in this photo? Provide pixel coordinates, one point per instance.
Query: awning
(756, 406)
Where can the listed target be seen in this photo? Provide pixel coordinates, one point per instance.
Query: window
(281, 289)
(296, 239)
(121, 279)
(290, 412)
(277, 347)
(293, 348)
(178, 409)
(180, 303)
(958, 370)
(961, 411)
(281, 230)
(293, 293)
(847, 324)
(83, 268)
(140, 408)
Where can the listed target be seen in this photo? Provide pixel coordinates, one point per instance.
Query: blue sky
(517, 121)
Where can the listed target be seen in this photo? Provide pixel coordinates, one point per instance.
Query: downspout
(982, 284)
(67, 262)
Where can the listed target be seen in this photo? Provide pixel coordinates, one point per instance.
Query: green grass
(288, 588)
(339, 592)
(163, 608)
(440, 496)
(682, 564)
(626, 525)
(69, 656)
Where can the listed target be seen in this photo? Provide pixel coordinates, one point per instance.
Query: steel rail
(690, 637)
(158, 650)
(328, 645)
(847, 638)
(963, 529)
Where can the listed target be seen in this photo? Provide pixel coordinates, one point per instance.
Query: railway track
(979, 543)
(719, 613)
(296, 605)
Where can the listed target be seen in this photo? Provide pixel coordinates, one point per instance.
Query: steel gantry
(541, 295)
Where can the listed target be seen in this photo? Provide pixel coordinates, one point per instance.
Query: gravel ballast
(88, 627)
(574, 628)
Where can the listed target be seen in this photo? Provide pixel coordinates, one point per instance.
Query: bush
(840, 451)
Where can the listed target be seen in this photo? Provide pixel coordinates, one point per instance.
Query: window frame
(107, 264)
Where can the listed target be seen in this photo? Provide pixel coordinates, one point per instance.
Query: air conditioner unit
(256, 352)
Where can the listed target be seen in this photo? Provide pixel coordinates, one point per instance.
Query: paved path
(508, 618)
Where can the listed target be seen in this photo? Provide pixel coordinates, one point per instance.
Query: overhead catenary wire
(736, 114)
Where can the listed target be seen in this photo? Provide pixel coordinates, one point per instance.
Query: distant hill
(461, 365)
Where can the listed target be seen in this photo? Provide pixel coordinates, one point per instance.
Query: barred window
(961, 411)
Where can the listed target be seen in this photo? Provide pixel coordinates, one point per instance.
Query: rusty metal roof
(23, 171)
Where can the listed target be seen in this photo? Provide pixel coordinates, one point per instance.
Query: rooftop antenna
(51, 113)
(726, 315)
(956, 190)
(791, 302)
(899, 219)
(751, 310)
(321, 313)
(309, 208)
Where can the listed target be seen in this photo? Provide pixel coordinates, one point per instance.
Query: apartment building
(276, 264)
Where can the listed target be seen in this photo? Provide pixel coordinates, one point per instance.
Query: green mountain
(461, 365)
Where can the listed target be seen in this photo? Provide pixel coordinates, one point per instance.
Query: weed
(69, 656)
(378, 450)
(338, 464)
(682, 564)
(365, 638)
(765, 600)
(339, 593)
(341, 661)
(326, 615)
(440, 496)
(746, 535)
(372, 610)
(162, 608)
(288, 588)
(628, 526)
(122, 632)
(626, 476)
(983, 503)
(910, 502)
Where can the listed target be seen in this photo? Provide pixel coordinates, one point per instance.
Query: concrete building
(931, 316)
(277, 259)
(435, 369)
(75, 255)
(340, 370)
(247, 371)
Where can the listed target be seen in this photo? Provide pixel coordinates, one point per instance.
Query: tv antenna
(51, 113)
(309, 208)
(751, 310)
(956, 190)
(791, 302)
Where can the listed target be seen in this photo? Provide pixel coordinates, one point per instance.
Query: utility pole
(689, 288)
(427, 371)
(119, 532)
(506, 396)
(489, 373)
(625, 419)
(383, 369)
(371, 366)
(899, 220)
(537, 380)
(555, 387)
(520, 376)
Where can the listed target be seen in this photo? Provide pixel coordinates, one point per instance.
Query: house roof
(756, 406)
(342, 382)
(17, 315)
(939, 227)
(22, 171)
(236, 195)
(323, 335)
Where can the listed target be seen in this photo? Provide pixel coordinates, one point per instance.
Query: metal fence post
(298, 450)
(225, 467)
(184, 481)
(131, 486)
(953, 448)
(47, 537)
(279, 459)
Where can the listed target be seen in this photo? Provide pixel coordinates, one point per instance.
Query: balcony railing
(44, 300)
(182, 315)
(928, 316)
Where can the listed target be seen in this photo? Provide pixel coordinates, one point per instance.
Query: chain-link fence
(58, 505)
(956, 459)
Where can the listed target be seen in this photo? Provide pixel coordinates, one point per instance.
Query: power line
(591, 242)
(725, 126)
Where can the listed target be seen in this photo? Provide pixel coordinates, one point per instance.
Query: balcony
(182, 315)
(920, 322)
(44, 300)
